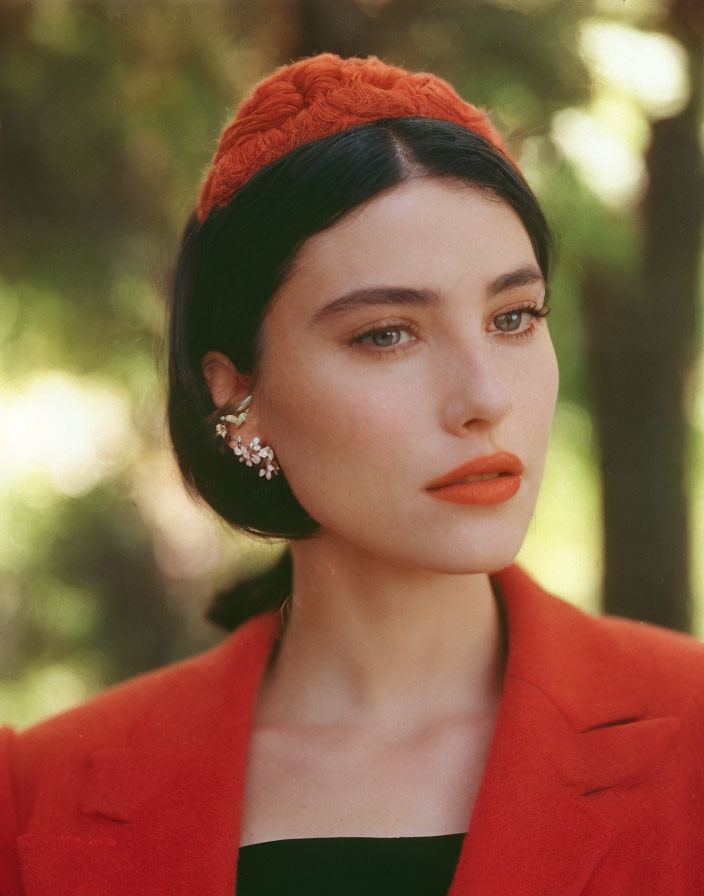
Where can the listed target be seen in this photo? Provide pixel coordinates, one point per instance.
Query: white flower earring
(253, 454)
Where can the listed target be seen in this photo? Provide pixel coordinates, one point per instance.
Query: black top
(342, 866)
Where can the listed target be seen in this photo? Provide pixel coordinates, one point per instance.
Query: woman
(360, 364)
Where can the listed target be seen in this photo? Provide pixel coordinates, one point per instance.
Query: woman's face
(368, 400)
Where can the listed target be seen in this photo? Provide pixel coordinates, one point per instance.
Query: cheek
(335, 430)
(551, 381)
(540, 401)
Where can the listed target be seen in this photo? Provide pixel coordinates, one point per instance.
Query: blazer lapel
(162, 813)
(567, 729)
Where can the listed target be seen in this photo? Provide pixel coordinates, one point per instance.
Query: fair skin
(376, 715)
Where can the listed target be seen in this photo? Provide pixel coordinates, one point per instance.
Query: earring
(254, 453)
(237, 418)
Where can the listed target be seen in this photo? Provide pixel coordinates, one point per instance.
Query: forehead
(424, 231)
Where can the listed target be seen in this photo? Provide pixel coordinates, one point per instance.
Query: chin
(484, 544)
(458, 553)
(475, 559)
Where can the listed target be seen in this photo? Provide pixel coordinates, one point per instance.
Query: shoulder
(107, 752)
(147, 706)
(657, 668)
(647, 642)
(651, 651)
(667, 664)
(595, 660)
(110, 715)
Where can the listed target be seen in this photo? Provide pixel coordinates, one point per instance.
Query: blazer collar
(162, 811)
(572, 722)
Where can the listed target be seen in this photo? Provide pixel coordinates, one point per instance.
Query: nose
(477, 390)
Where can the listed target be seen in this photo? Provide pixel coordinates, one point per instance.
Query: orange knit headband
(321, 95)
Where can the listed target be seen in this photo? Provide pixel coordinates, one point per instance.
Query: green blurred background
(109, 115)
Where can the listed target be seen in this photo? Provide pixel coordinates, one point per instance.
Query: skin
(393, 657)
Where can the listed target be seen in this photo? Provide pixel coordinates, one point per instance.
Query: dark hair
(230, 266)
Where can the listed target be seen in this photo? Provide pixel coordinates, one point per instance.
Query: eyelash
(528, 333)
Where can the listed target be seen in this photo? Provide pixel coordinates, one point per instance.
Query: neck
(373, 643)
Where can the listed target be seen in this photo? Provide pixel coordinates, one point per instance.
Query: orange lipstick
(454, 487)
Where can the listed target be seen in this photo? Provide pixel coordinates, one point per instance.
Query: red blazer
(594, 782)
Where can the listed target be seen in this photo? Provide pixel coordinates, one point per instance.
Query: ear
(226, 385)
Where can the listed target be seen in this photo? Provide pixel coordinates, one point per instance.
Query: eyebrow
(402, 295)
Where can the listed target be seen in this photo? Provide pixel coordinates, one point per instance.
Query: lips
(502, 463)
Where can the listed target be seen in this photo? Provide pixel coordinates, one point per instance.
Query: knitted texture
(322, 95)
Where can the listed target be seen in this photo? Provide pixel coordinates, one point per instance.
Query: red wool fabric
(593, 785)
(321, 95)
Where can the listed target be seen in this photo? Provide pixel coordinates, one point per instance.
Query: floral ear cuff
(254, 454)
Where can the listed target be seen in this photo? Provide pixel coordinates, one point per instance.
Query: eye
(511, 322)
(385, 337)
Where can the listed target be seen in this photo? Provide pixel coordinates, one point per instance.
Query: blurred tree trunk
(642, 344)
